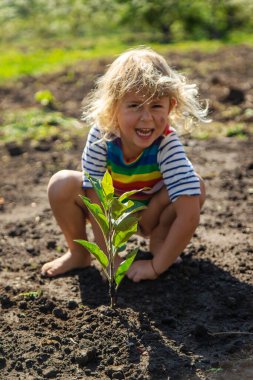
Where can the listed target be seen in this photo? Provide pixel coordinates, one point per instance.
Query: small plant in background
(236, 130)
(31, 295)
(37, 124)
(45, 98)
(117, 223)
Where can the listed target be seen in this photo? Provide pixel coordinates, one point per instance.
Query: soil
(196, 320)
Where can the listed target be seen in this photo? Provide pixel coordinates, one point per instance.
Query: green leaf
(124, 217)
(98, 214)
(138, 206)
(118, 207)
(94, 249)
(126, 223)
(96, 183)
(124, 266)
(124, 231)
(128, 194)
(32, 294)
(107, 185)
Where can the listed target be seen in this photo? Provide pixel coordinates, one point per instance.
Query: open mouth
(144, 132)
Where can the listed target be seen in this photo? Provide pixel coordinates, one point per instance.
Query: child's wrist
(154, 270)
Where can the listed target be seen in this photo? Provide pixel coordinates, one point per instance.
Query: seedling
(117, 223)
(215, 370)
(31, 295)
(45, 98)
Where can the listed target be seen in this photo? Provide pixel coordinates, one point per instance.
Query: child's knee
(63, 185)
(151, 216)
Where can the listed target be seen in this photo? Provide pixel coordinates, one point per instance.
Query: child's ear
(173, 103)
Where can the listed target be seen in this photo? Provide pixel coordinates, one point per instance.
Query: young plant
(45, 98)
(117, 223)
(31, 295)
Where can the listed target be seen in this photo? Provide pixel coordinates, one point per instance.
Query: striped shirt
(162, 163)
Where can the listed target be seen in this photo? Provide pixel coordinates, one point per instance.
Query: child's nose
(146, 115)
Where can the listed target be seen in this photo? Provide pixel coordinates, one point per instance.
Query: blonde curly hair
(141, 70)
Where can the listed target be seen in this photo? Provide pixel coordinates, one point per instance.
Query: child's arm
(187, 211)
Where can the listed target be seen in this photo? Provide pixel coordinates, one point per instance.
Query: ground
(195, 321)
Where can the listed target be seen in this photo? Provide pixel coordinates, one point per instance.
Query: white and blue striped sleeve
(178, 174)
(94, 157)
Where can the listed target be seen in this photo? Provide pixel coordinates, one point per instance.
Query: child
(130, 113)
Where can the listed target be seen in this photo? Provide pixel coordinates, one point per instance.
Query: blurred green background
(42, 36)
(39, 35)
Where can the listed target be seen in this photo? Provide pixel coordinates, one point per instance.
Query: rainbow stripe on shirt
(137, 174)
(164, 163)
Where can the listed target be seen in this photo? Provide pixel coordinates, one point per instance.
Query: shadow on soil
(195, 313)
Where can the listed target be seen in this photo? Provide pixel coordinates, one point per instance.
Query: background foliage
(42, 36)
(164, 21)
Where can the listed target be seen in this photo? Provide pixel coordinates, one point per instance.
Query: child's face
(141, 121)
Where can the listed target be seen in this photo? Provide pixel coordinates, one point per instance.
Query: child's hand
(141, 270)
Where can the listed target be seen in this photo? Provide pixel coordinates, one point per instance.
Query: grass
(37, 124)
(35, 57)
(42, 56)
(220, 129)
(20, 60)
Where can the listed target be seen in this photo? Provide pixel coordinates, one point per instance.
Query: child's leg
(63, 193)
(151, 215)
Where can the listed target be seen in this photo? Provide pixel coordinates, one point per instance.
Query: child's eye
(157, 105)
(133, 105)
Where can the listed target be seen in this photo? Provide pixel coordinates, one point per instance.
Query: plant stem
(113, 296)
(112, 288)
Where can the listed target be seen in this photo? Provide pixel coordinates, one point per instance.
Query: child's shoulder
(95, 138)
(169, 140)
(95, 132)
(168, 130)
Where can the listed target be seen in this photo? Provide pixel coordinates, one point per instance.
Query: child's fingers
(136, 272)
(135, 277)
(141, 270)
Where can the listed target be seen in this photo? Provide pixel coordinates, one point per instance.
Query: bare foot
(66, 263)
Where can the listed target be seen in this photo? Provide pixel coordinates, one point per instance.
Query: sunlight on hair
(142, 70)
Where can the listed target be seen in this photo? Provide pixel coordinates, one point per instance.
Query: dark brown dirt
(194, 322)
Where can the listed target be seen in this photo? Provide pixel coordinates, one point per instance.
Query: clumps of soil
(194, 322)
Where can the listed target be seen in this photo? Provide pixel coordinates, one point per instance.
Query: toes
(47, 271)
(44, 273)
(50, 273)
